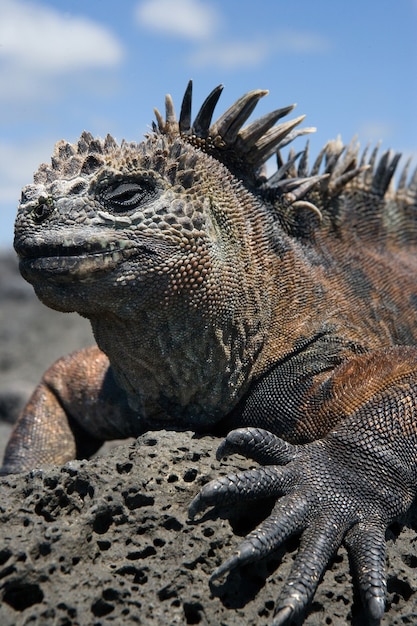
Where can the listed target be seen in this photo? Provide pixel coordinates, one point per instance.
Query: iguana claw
(323, 499)
(282, 616)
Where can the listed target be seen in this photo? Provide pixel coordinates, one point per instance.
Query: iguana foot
(327, 495)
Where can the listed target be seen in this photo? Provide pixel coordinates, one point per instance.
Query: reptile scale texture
(280, 312)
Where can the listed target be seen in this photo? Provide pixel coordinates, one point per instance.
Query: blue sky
(70, 65)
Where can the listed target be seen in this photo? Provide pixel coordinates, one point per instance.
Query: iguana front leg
(75, 408)
(350, 484)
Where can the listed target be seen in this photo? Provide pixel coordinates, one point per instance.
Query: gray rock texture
(108, 541)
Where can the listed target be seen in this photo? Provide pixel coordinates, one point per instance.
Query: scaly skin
(285, 309)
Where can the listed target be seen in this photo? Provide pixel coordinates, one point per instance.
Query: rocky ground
(108, 541)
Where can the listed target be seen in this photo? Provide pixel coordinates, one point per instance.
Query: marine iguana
(281, 311)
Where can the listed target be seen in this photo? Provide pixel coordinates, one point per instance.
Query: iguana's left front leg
(350, 484)
(74, 409)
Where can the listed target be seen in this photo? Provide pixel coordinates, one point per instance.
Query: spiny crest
(342, 168)
(71, 160)
(366, 180)
(90, 154)
(244, 149)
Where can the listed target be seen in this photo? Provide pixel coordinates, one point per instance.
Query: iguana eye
(125, 196)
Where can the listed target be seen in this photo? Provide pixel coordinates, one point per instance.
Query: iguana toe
(367, 550)
(261, 482)
(258, 444)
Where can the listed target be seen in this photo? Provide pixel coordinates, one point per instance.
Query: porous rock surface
(108, 541)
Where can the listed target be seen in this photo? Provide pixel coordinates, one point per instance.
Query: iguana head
(171, 215)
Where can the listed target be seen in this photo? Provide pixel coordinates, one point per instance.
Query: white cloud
(33, 36)
(200, 22)
(190, 19)
(299, 42)
(375, 130)
(231, 55)
(235, 54)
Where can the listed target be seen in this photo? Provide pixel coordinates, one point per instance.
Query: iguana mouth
(68, 261)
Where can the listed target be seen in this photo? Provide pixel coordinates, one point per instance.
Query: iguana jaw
(80, 258)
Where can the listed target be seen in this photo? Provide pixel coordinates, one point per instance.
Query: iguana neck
(182, 368)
